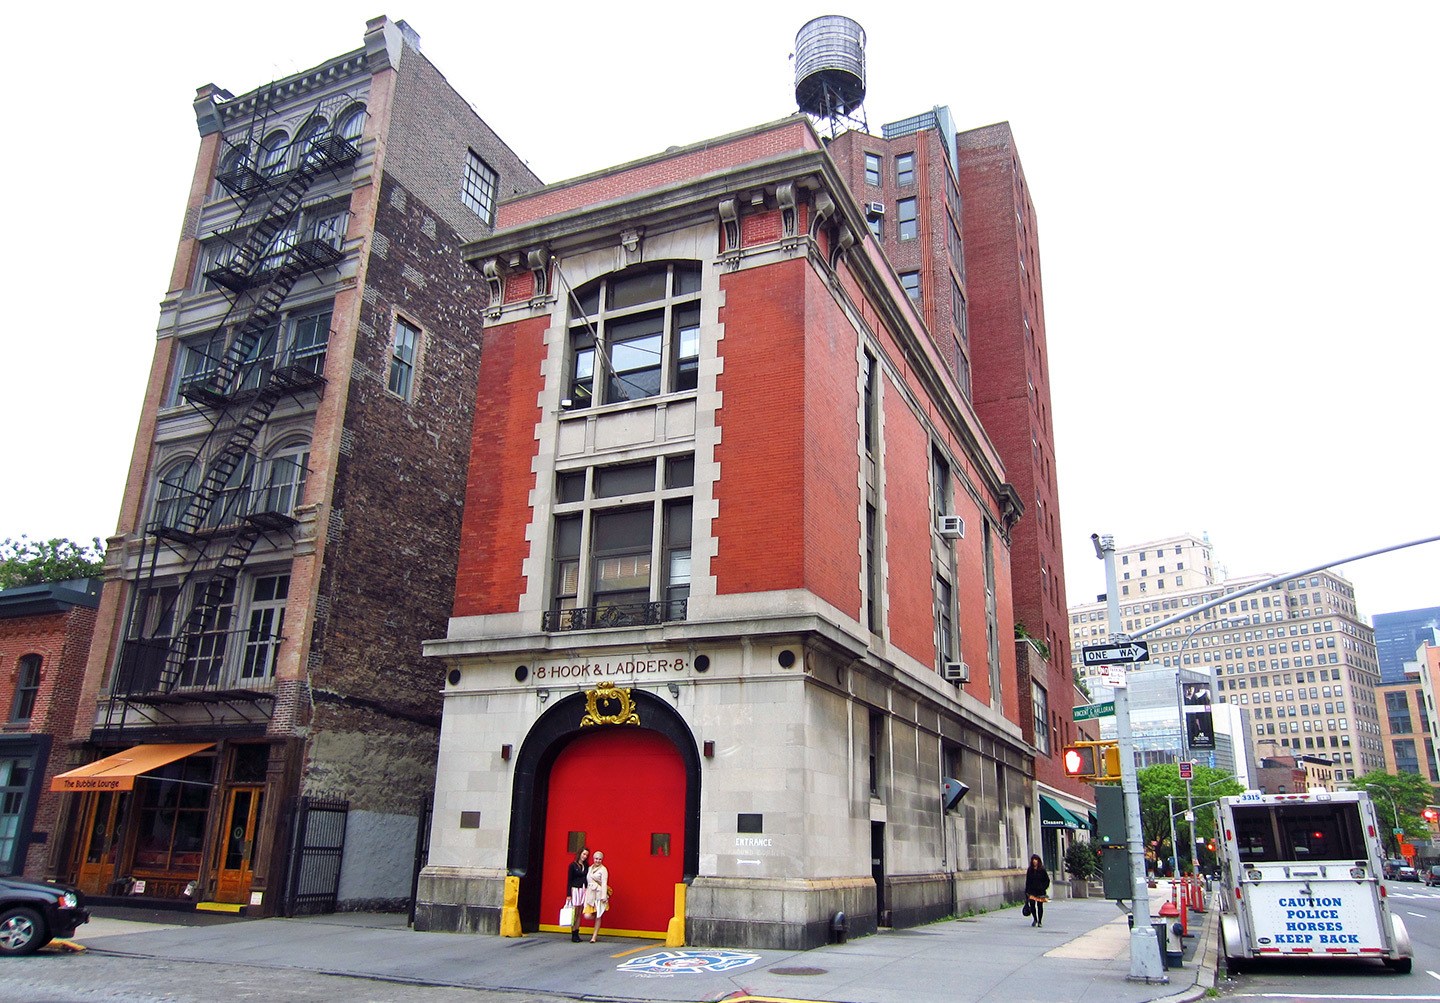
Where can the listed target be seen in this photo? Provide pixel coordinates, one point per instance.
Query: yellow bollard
(675, 932)
(510, 909)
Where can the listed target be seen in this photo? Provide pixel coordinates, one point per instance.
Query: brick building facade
(287, 533)
(953, 213)
(45, 635)
(703, 564)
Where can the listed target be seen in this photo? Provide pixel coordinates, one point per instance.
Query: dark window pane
(687, 279)
(567, 536)
(680, 471)
(570, 487)
(628, 289)
(622, 531)
(610, 482)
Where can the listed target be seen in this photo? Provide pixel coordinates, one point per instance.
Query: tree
(1164, 779)
(1408, 794)
(35, 562)
(1082, 859)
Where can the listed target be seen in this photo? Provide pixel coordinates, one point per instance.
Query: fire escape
(177, 637)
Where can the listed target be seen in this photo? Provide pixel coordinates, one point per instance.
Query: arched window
(280, 485)
(351, 124)
(272, 152)
(315, 129)
(647, 320)
(173, 488)
(27, 686)
(233, 500)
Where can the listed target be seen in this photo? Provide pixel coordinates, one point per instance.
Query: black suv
(33, 913)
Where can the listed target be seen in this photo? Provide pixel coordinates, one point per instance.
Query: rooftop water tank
(830, 66)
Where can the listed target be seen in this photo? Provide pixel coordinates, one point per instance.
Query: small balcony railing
(232, 660)
(640, 614)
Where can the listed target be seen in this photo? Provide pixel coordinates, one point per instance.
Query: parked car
(1432, 875)
(1390, 867)
(33, 913)
(1407, 873)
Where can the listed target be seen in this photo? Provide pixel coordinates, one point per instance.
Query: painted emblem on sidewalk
(683, 962)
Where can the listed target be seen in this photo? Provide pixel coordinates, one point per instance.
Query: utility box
(1114, 848)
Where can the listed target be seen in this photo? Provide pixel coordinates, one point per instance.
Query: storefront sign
(611, 668)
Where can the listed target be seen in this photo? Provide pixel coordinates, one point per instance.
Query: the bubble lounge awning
(118, 772)
(1054, 815)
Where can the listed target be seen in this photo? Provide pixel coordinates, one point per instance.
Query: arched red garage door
(624, 788)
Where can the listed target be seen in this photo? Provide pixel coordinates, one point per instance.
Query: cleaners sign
(1335, 920)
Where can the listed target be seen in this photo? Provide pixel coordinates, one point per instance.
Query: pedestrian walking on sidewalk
(1037, 885)
(597, 891)
(576, 883)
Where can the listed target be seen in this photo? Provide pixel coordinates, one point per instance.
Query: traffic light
(1092, 760)
(1431, 815)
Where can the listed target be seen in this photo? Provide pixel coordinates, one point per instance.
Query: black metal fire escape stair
(157, 664)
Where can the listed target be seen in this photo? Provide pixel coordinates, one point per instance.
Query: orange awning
(118, 772)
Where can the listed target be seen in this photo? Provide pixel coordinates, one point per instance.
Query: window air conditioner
(952, 527)
(875, 209)
(956, 672)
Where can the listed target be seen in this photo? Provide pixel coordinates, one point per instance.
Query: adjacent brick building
(44, 639)
(953, 213)
(287, 533)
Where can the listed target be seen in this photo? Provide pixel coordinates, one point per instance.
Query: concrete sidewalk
(1082, 951)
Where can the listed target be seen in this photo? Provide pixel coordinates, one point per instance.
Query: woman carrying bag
(1037, 884)
(575, 880)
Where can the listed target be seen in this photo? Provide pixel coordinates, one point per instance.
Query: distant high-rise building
(1397, 635)
(1295, 654)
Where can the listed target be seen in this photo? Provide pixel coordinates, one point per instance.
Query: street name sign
(1115, 654)
(1089, 712)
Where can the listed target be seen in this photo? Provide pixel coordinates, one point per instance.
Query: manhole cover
(796, 971)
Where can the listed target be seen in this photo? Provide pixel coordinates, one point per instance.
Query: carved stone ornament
(608, 704)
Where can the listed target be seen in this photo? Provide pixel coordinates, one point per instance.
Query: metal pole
(1145, 964)
(1174, 846)
(1190, 820)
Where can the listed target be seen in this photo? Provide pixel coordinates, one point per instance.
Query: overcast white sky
(1237, 207)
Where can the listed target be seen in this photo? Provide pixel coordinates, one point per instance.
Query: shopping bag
(1028, 909)
(567, 915)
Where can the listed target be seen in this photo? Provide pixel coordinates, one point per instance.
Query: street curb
(1205, 957)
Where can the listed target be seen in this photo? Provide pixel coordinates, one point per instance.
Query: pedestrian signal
(1092, 760)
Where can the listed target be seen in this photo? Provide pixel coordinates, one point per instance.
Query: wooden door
(235, 869)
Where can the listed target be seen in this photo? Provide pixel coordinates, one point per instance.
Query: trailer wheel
(1235, 966)
(1400, 966)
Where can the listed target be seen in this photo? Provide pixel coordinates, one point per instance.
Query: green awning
(1094, 821)
(1054, 815)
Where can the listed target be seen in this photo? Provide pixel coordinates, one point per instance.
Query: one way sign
(1115, 654)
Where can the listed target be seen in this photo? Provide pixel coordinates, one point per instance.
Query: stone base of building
(793, 915)
(777, 914)
(459, 900)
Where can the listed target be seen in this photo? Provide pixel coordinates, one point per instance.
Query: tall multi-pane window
(872, 168)
(266, 624)
(622, 542)
(16, 773)
(945, 619)
(636, 334)
(402, 358)
(905, 169)
(870, 417)
(478, 189)
(872, 569)
(1040, 709)
(939, 482)
(27, 685)
(905, 211)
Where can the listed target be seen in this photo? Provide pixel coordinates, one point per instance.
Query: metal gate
(422, 856)
(315, 852)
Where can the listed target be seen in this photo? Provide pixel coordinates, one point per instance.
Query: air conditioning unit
(955, 672)
(952, 527)
(874, 209)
